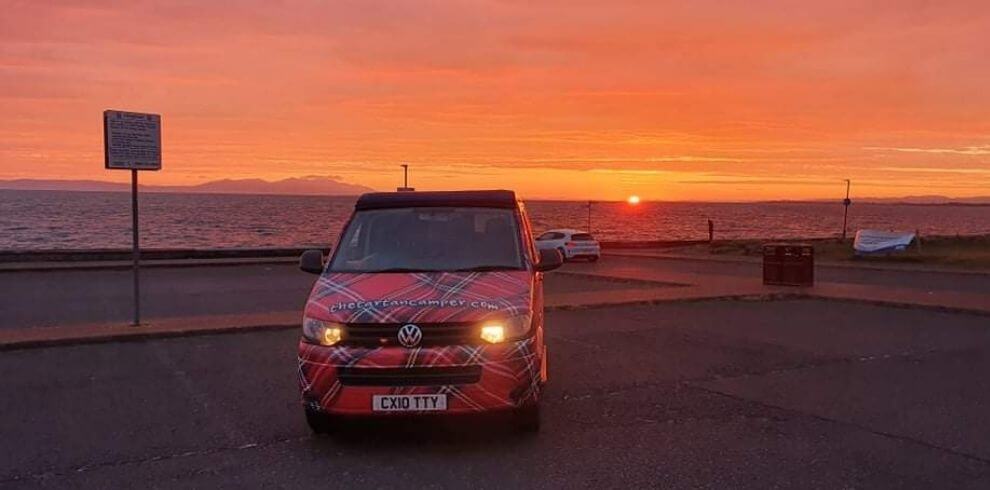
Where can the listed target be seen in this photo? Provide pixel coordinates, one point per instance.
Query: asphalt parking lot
(721, 394)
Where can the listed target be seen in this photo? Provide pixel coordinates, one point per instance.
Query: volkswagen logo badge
(410, 335)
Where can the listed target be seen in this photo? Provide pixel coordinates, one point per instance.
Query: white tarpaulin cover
(873, 241)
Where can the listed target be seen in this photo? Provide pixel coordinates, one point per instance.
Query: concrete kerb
(621, 280)
(122, 333)
(38, 337)
(890, 303)
(145, 264)
(686, 299)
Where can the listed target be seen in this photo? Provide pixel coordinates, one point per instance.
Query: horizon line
(176, 189)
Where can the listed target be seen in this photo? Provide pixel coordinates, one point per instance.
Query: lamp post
(589, 215)
(845, 215)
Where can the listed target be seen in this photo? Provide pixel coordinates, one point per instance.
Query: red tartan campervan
(432, 302)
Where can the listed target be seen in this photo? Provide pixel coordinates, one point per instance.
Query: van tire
(593, 258)
(320, 423)
(563, 254)
(526, 419)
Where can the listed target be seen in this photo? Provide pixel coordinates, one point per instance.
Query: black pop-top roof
(477, 199)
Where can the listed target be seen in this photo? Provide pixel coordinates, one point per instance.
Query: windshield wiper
(401, 269)
(478, 268)
(486, 268)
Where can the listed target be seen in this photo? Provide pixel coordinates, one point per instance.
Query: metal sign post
(133, 141)
(845, 215)
(135, 247)
(589, 215)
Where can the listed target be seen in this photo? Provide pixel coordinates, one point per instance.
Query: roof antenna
(405, 179)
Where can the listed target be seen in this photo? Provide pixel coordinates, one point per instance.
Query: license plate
(408, 403)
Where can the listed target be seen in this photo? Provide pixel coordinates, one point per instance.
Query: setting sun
(633, 200)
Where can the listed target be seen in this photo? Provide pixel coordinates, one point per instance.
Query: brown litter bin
(788, 264)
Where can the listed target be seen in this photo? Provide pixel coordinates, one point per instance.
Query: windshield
(429, 239)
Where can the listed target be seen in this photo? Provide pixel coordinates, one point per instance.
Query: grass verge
(949, 251)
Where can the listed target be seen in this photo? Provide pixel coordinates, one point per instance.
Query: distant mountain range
(927, 200)
(311, 185)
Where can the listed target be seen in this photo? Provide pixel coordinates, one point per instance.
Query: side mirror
(311, 261)
(550, 259)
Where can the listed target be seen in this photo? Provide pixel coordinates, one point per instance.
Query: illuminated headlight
(493, 334)
(320, 332)
(497, 331)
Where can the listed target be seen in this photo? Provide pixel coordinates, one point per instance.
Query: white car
(572, 244)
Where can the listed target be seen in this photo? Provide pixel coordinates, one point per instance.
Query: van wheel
(594, 258)
(563, 255)
(527, 419)
(319, 423)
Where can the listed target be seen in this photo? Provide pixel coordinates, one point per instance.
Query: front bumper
(511, 375)
(576, 252)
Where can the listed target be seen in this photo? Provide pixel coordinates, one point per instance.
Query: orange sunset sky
(697, 100)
